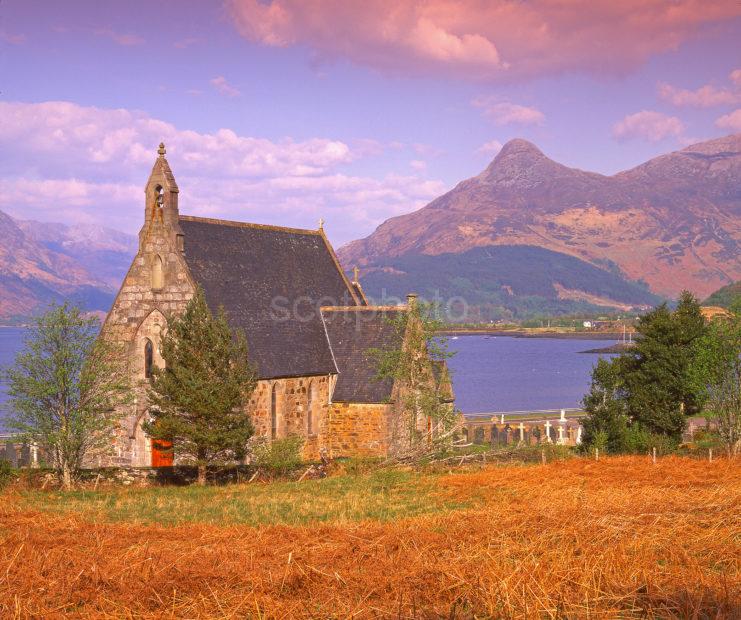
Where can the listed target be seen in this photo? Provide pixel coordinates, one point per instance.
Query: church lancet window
(148, 358)
(157, 277)
(274, 411)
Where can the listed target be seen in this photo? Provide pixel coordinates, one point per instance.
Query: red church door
(162, 453)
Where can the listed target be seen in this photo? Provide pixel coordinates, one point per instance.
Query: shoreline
(513, 333)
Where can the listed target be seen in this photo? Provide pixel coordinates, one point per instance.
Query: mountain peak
(518, 159)
(519, 148)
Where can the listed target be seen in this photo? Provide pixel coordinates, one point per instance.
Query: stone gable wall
(140, 313)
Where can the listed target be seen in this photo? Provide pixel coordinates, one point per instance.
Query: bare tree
(417, 366)
(65, 388)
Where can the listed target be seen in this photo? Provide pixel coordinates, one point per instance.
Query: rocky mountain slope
(672, 222)
(40, 263)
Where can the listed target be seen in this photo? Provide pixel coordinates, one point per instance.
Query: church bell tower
(161, 203)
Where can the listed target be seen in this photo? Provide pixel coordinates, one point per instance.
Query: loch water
(495, 373)
(11, 341)
(505, 373)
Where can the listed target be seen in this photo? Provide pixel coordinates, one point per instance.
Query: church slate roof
(259, 275)
(352, 332)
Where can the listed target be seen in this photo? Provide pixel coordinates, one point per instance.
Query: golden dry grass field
(618, 538)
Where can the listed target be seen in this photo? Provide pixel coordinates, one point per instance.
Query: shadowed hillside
(512, 281)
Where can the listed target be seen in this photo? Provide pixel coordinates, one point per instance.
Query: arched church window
(157, 278)
(309, 407)
(274, 411)
(148, 358)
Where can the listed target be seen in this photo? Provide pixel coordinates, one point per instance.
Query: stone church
(308, 328)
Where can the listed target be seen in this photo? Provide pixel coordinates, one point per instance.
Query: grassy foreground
(382, 495)
(616, 538)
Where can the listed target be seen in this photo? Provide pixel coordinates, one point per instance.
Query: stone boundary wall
(179, 475)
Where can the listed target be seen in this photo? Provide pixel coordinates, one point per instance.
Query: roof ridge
(338, 266)
(211, 220)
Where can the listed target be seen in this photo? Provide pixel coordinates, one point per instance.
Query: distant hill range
(725, 296)
(41, 263)
(529, 235)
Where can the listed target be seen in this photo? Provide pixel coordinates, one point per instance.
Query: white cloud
(507, 113)
(418, 164)
(62, 161)
(648, 125)
(731, 122)
(221, 84)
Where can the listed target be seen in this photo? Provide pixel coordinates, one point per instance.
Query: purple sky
(291, 110)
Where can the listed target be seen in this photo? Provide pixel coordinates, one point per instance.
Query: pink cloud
(704, 97)
(187, 42)
(735, 77)
(13, 39)
(480, 39)
(506, 113)
(418, 164)
(490, 148)
(221, 84)
(731, 122)
(427, 150)
(63, 161)
(119, 38)
(648, 125)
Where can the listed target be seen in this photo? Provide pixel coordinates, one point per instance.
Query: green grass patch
(382, 495)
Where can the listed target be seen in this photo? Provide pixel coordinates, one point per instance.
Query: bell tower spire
(161, 191)
(161, 197)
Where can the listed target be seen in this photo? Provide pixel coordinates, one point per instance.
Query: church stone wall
(292, 401)
(359, 429)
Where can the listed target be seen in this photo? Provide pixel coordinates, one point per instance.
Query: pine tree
(606, 423)
(198, 398)
(658, 370)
